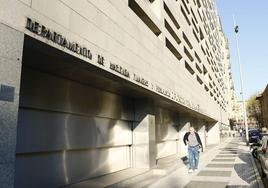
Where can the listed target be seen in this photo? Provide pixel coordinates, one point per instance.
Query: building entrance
(68, 130)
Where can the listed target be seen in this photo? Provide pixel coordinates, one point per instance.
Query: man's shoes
(195, 170)
(190, 171)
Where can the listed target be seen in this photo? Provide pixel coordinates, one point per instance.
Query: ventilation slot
(187, 41)
(202, 48)
(173, 50)
(172, 32)
(197, 57)
(196, 37)
(204, 70)
(185, 16)
(188, 54)
(198, 3)
(144, 17)
(206, 87)
(199, 80)
(189, 68)
(185, 6)
(198, 68)
(201, 34)
(173, 19)
(195, 25)
(194, 15)
(211, 94)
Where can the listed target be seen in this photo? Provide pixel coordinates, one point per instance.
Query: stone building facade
(88, 83)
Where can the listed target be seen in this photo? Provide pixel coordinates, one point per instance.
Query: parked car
(262, 155)
(254, 135)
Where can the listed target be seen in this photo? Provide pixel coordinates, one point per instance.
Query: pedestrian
(193, 141)
(241, 132)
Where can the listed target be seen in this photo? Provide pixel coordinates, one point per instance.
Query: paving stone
(228, 152)
(224, 160)
(215, 173)
(206, 184)
(226, 156)
(220, 165)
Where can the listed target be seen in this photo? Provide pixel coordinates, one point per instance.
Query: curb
(257, 175)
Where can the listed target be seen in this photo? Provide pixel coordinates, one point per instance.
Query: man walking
(193, 141)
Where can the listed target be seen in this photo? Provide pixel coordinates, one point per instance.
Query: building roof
(259, 96)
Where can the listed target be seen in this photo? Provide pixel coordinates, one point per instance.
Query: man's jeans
(193, 153)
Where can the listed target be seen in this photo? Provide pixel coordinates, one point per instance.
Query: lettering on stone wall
(57, 38)
(162, 91)
(119, 69)
(140, 80)
(100, 60)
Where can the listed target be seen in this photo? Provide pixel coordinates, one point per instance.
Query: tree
(254, 108)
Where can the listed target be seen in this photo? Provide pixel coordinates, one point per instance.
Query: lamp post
(236, 28)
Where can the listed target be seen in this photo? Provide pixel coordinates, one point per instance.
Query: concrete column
(213, 133)
(144, 145)
(11, 45)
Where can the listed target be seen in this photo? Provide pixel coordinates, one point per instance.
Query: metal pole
(241, 82)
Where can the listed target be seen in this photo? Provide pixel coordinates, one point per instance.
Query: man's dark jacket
(185, 138)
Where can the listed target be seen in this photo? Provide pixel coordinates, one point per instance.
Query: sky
(252, 18)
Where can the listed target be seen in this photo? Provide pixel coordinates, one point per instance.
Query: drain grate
(206, 184)
(220, 165)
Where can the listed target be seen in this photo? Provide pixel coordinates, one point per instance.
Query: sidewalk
(228, 165)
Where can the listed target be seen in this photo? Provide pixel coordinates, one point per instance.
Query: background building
(239, 116)
(263, 98)
(88, 83)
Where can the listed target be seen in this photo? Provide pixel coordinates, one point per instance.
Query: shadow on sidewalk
(246, 170)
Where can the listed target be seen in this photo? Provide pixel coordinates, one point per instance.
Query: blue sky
(252, 18)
